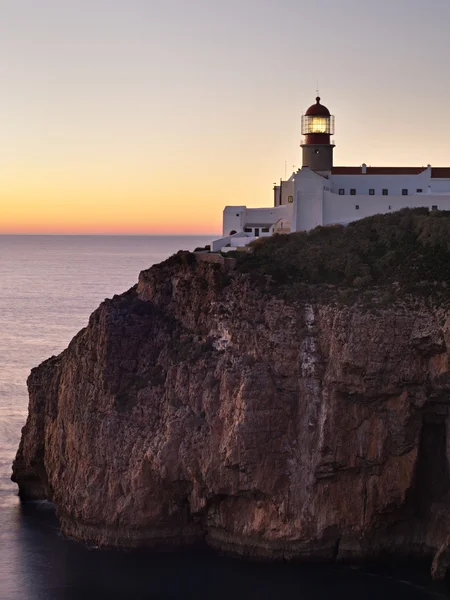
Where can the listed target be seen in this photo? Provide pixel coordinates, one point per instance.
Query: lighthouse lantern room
(317, 127)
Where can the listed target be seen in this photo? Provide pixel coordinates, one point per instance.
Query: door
(256, 231)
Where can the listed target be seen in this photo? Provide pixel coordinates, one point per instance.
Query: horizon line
(114, 233)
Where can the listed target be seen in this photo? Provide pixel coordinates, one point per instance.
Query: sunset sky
(148, 116)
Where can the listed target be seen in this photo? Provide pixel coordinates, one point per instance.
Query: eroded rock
(196, 406)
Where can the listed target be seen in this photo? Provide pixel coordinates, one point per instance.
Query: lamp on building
(317, 127)
(317, 121)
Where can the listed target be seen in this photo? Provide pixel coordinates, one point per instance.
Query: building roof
(436, 172)
(379, 170)
(440, 172)
(317, 110)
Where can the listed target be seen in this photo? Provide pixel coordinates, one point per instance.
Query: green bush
(408, 248)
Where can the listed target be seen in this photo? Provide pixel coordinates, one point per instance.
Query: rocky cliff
(202, 405)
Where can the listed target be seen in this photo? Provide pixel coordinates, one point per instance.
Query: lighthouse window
(404, 192)
(352, 192)
(341, 192)
(385, 192)
(372, 192)
(316, 151)
(419, 190)
(357, 206)
(434, 207)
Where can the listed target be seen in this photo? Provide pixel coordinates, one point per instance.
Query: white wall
(394, 183)
(284, 191)
(287, 190)
(233, 219)
(217, 245)
(342, 209)
(440, 186)
(231, 242)
(308, 201)
(276, 197)
(314, 203)
(267, 215)
(309, 210)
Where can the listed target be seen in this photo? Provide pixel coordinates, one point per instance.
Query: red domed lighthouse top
(317, 124)
(317, 127)
(318, 110)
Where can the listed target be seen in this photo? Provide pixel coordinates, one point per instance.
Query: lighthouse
(321, 193)
(317, 127)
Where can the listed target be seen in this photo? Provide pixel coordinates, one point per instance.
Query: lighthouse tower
(317, 127)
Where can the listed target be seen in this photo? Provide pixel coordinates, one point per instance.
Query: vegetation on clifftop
(409, 249)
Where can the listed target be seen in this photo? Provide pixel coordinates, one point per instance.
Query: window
(434, 207)
(317, 124)
(341, 192)
(419, 190)
(238, 215)
(265, 230)
(233, 231)
(404, 192)
(390, 207)
(290, 199)
(316, 151)
(385, 192)
(248, 229)
(352, 192)
(357, 206)
(372, 192)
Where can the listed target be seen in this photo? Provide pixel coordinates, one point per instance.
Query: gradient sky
(149, 116)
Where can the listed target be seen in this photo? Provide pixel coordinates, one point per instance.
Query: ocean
(49, 285)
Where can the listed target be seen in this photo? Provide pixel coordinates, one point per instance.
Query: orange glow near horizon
(95, 217)
(93, 206)
(117, 192)
(143, 117)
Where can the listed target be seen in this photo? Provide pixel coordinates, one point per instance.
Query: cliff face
(197, 405)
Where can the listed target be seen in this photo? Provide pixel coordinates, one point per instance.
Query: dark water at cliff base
(48, 566)
(48, 287)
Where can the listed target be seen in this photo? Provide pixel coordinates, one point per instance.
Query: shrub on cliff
(408, 248)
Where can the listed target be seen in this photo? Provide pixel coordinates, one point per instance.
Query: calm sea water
(48, 287)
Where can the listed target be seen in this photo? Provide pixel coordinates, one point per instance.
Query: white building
(321, 194)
